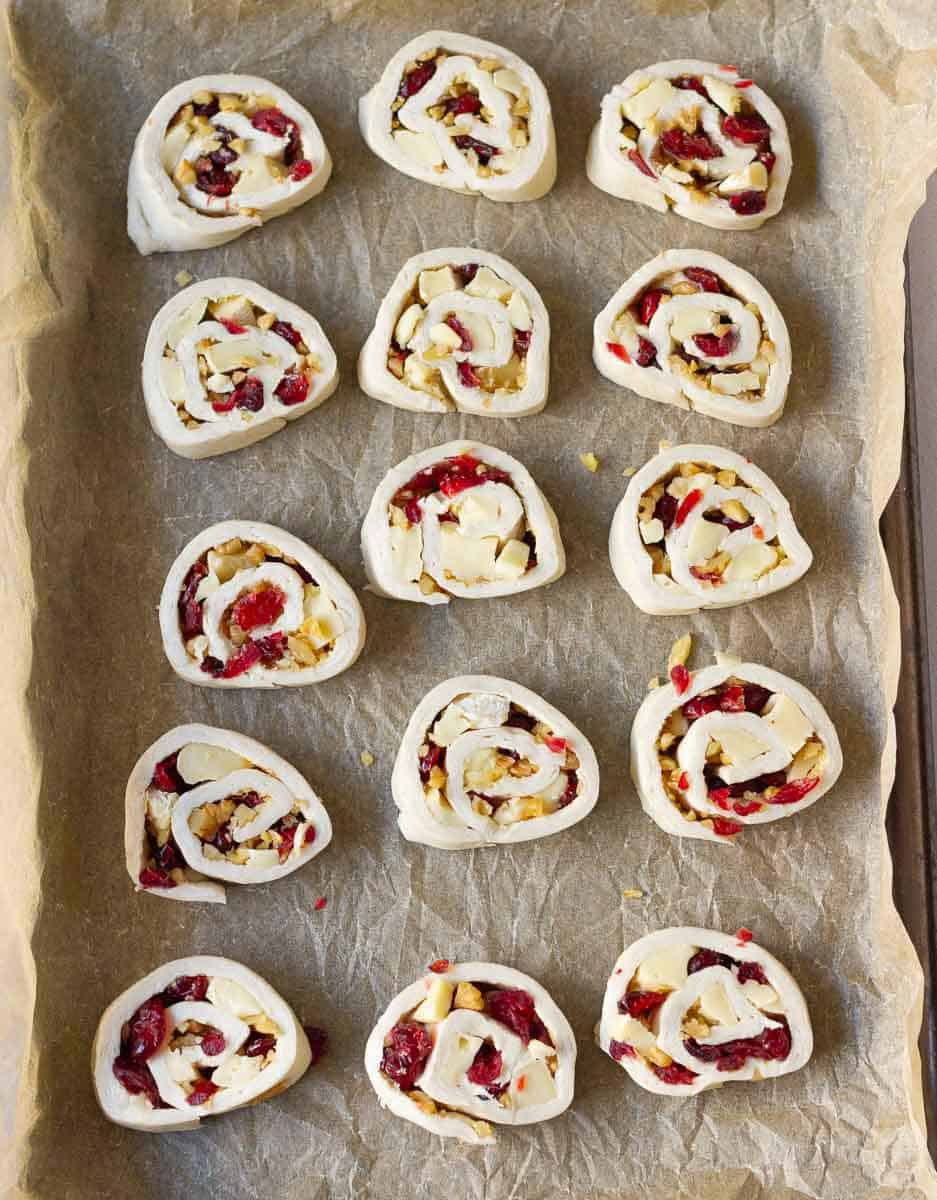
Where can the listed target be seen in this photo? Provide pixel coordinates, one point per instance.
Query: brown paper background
(93, 508)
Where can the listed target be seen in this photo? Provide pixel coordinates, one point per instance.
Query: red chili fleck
(725, 828)
(687, 504)
(231, 326)
(300, 170)
(744, 935)
(521, 1082)
(683, 782)
(758, 533)
(320, 904)
(794, 791)
(744, 83)
(728, 67)
(642, 166)
(556, 744)
(680, 677)
(619, 351)
(440, 966)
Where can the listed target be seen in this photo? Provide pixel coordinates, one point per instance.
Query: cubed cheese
(233, 354)
(436, 283)
(665, 967)
(692, 321)
(715, 1007)
(633, 1033)
(508, 81)
(738, 745)
(452, 724)
(533, 1084)
(751, 563)
(705, 540)
(406, 551)
(406, 326)
(512, 561)
(485, 710)
(788, 721)
(231, 996)
(726, 95)
(465, 558)
(754, 177)
(319, 607)
(489, 285)
(479, 330)
(518, 311)
(198, 762)
(421, 147)
(235, 308)
(255, 175)
(652, 531)
(172, 379)
(436, 1003)
(647, 102)
(444, 336)
(238, 1070)
(761, 995)
(185, 323)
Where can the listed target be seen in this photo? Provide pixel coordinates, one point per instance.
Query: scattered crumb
(664, 445)
(320, 904)
(744, 935)
(183, 278)
(629, 471)
(653, 682)
(633, 894)
(367, 758)
(589, 461)
(440, 966)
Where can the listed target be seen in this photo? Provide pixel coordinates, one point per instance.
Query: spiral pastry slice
(690, 1009)
(691, 329)
(460, 330)
(462, 519)
(249, 605)
(219, 155)
(228, 363)
(463, 114)
(484, 761)
(697, 137)
(196, 1037)
(469, 1046)
(728, 747)
(207, 804)
(702, 527)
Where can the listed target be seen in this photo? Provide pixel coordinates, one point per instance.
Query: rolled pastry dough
(690, 328)
(204, 134)
(780, 749)
(262, 1049)
(723, 532)
(450, 788)
(460, 330)
(505, 537)
(306, 627)
(458, 1067)
(695, 136)
(749, 1019)
(219, 329)
(501, 142)
(175, 846)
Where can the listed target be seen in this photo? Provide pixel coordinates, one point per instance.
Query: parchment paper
(94, 509)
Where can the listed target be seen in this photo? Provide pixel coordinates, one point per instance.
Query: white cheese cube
(406, 551)
(451, 725)
(436, 1003)
(421, 147)
(788, 721)
(465, 558)
(669, 171)
(532, 1085)
(198, 762)
(652, 531)
(485, 710)
(317, 606)
(761, 995)
(508, 81)
(518, 311)
(751, 563)
(540, 1050)
(231, 996)
(172, 379)
(236, 308)
(715, 1007)
(406, 326)
(443, 336)
(255, 175)
(238, 1070)
(665, 968)
(236, 353)
(627, 1029)
(732, 385)
(436, 283)
(692, 321)
(479, 330)
(753, 178)
(512, 561)
(185, 322)
(726, 95)
(647, 102)
(462, 1051)
(705, 541)
(489, 285)
(739, 746)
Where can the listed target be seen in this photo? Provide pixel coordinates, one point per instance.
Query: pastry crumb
(633, 894)
(367, 758)
(653, 683)
(629, 471)
(665, 445)
(183, 278)
(589, 461)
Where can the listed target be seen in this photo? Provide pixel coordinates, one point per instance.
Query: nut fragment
(468, 996)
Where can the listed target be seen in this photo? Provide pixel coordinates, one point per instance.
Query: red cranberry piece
(677, 143)
(212, 666)
(151, 877)
(467, 376)
(767, 158)
(231, 326)
(186, 987)
(756, 697)
(649, 304)
(136, 1078)
(484, 152)
(285, 847)
(530, 540)
(748, 128)
(249, 394)
(251, 799)
(202, 1090)
(207, 110)
(458, 328)
(665, 510)
(680, 678)
(466, 273)
(434, 757)
(300, 170)
(486, 1065)
(647, 352)
(190, 610)
(675, 1073)
(287, 332)
(572, 789)
(515, 1008)
(168, 856)
(318, 1042)
(416, 79)
(293, 388)
(721, 796)
(639, 162)
(745, 810)
(310, 835)
(440, 966)
(690, 83)
(732, 699)
(212, 179)
(719, 518)
(521, 341)
(468, 102)
(759, 783)
(725, 828)
(242, 660)
(165, 775)
(794, 791)
(699, 706)
(731, 1056)
(746, 204)
(708, 958)
(520, 720)
(687, 504)
(636, 1004)
(259, 1044)
(620, 1050)
(707, 280)
(271, 120)
(752, 970)
(618, 350)
(406, 1050)
(258, 608)
(714, 346)
(213, 1042)
(147, 1029)
(223, 157)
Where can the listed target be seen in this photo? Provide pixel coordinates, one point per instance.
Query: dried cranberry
(165, 775)
(435, 756)
(458, 328)
(690, 83)
(294, 146)
(151, 877)
(467, 376)
(285, 848)
(318, 1043)
(186, 987)
(680, 678)
(212, 666)
(486, 1065)
(636, 1004)
(741, 809)
(715, 346)
(793, 792)
(406, 1050)
(147, 1029)
(520, 720)
(748, 128)
(529, 539)
(769, 1045)
(687, 504)
(674, 1074)
(223, 840)
(287, 332)
(756, 697)
(484, 152)
(213, 1042)
(212, 179)
(202, 1090)
(224, 157)
(293, 388)
(271, 120)
(707, 280)
(767, 158)
(440, 966)
(571, 791)
(752, 970)
(190, 610)
(521, 341)
(249, 394)
(136, 1078)
(466, 273)
(665, 510)
(167, 857)
(708, 958)
(515, 1008)
(746, 204)
(231, 326)
(647, 352)
(620, 1050)
(242, 660)
(259, 1044)
(639, 162)
(759, 783)
(468, 102)
(717, 517)
(649, 304)
(416, 79)
(677, 143)
(206, 110)
(725, 828)
(699, 706)
(300, 170)
(258, 608)
(310, 835)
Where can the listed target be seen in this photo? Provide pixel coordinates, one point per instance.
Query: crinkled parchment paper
(94, 508)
